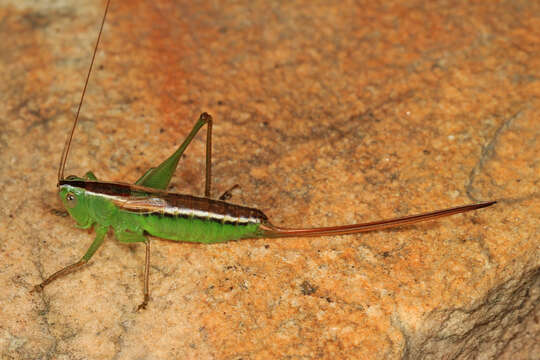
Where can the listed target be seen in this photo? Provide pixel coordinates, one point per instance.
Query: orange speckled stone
(325, 114)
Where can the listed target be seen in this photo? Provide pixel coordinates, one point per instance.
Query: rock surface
(325, 115)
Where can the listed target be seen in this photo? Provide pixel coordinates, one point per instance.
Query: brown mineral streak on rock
(325, 114)
(160, 48)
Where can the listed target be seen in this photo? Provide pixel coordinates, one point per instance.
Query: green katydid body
(146, 208)
(133, 211)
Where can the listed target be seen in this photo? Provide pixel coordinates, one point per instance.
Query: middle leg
(131, 237)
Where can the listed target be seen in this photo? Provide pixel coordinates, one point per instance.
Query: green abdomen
(193, 229)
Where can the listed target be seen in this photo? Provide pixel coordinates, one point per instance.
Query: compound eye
(71, 200)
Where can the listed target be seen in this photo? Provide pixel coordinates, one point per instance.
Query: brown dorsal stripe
(132, 198)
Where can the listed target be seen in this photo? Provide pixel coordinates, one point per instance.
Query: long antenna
(65, 151)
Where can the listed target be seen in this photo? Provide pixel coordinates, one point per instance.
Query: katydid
(135, 211)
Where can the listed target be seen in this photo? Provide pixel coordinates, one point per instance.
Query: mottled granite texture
(325, 114)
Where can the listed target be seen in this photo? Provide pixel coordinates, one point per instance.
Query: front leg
(90, 176)
(101, 231)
